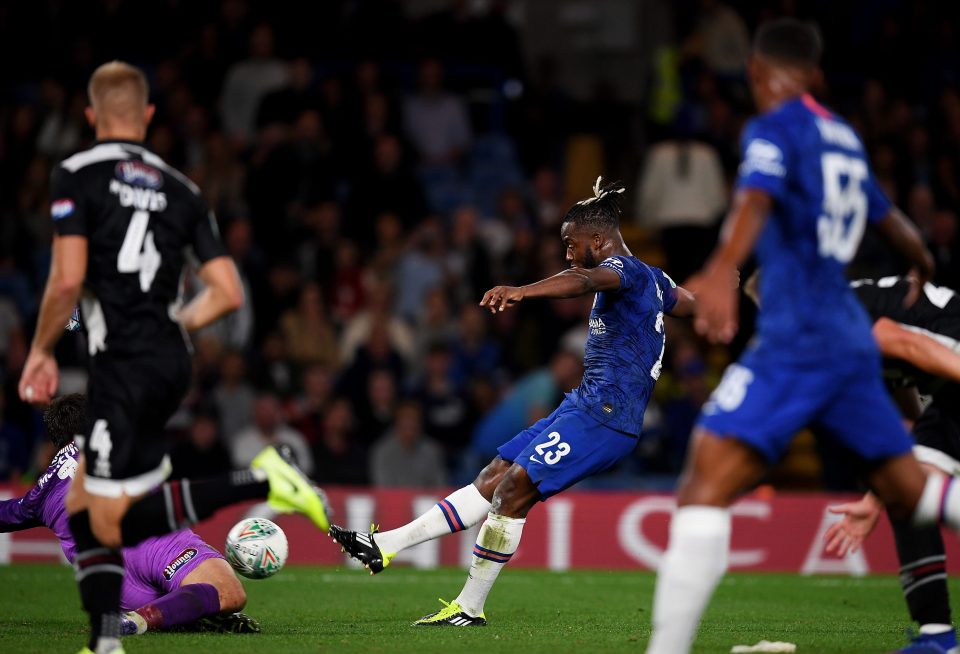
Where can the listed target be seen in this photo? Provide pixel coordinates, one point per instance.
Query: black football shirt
(142, 220)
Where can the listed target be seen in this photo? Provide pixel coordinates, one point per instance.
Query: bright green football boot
(451, 615)
(87, 650)
(290, 490)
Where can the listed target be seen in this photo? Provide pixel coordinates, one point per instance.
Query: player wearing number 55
(804, 196)
(593, 428)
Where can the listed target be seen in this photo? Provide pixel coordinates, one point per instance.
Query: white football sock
(498, 539)
(458, 511)
(940, 502)
(691, 568)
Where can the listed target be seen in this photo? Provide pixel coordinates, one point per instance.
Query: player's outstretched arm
(19, 513)
(903, 235)
(716, 307)
(572, 282)
(222, 294)
(68, 268)
(896, 342)
(686, 304)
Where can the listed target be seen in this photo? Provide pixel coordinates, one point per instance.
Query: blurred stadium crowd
(374, 172)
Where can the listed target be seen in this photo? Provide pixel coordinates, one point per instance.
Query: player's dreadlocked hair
(65, 418)
(602, 211)
(790, 41)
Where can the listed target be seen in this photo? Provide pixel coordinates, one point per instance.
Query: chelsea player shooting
(804, 196)
(596, 426)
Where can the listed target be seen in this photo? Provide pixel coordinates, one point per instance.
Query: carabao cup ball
(256, 548)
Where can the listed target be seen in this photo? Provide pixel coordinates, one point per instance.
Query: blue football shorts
(764, 402)
(566, 447)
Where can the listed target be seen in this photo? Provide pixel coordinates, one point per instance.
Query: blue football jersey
(625, 345)
(814, 166)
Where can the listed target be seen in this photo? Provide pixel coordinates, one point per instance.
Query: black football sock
(179, 504)
(99, 572)
(923, 574)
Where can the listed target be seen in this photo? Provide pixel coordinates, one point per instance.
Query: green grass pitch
(306, 609)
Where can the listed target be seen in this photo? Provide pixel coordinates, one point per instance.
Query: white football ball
(256, 548)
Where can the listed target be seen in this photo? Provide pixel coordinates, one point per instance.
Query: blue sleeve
(878, 204)
(617, 265)
(669, 288)
(763, 166)
(21, 513)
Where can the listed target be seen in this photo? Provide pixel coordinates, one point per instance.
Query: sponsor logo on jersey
(612, 262)
(138, 173)
(763, 157)
(597, 326)
(62, 208)
(181, 560)
(63, 465)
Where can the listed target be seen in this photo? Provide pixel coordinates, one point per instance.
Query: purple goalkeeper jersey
(43, 505)
(153, 568)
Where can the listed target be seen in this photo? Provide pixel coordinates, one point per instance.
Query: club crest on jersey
(181, 560)
(763, 157)
(62, 208)
(138, 173)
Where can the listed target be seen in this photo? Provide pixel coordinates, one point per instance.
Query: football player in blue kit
(804, 196)
(593, 428)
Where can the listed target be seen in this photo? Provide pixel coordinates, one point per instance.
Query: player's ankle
(139, 621)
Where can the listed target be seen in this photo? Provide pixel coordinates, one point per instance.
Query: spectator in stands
(378, 406)
(387, 184)
(419, 270)
(446, 412)
(63, 123)
(435, 120)
(721, 39)
(318, 238)
(248, 81)
(274, 369)
(222, 178)
(308, 334)
(305, 412)
(339, 454)
(945, 247)
(682, 193)
(347, 288)
(435, 324)
(377, 312)
(405, 456)
(11, 326)
(468, 263)
(286, 104)
(233, 396)
(377, 353)
(266, 429)
(474, 352)
(547, 203)
(202, 453)
(14, 447)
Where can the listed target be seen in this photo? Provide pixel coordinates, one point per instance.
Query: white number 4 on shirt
(138, 252)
